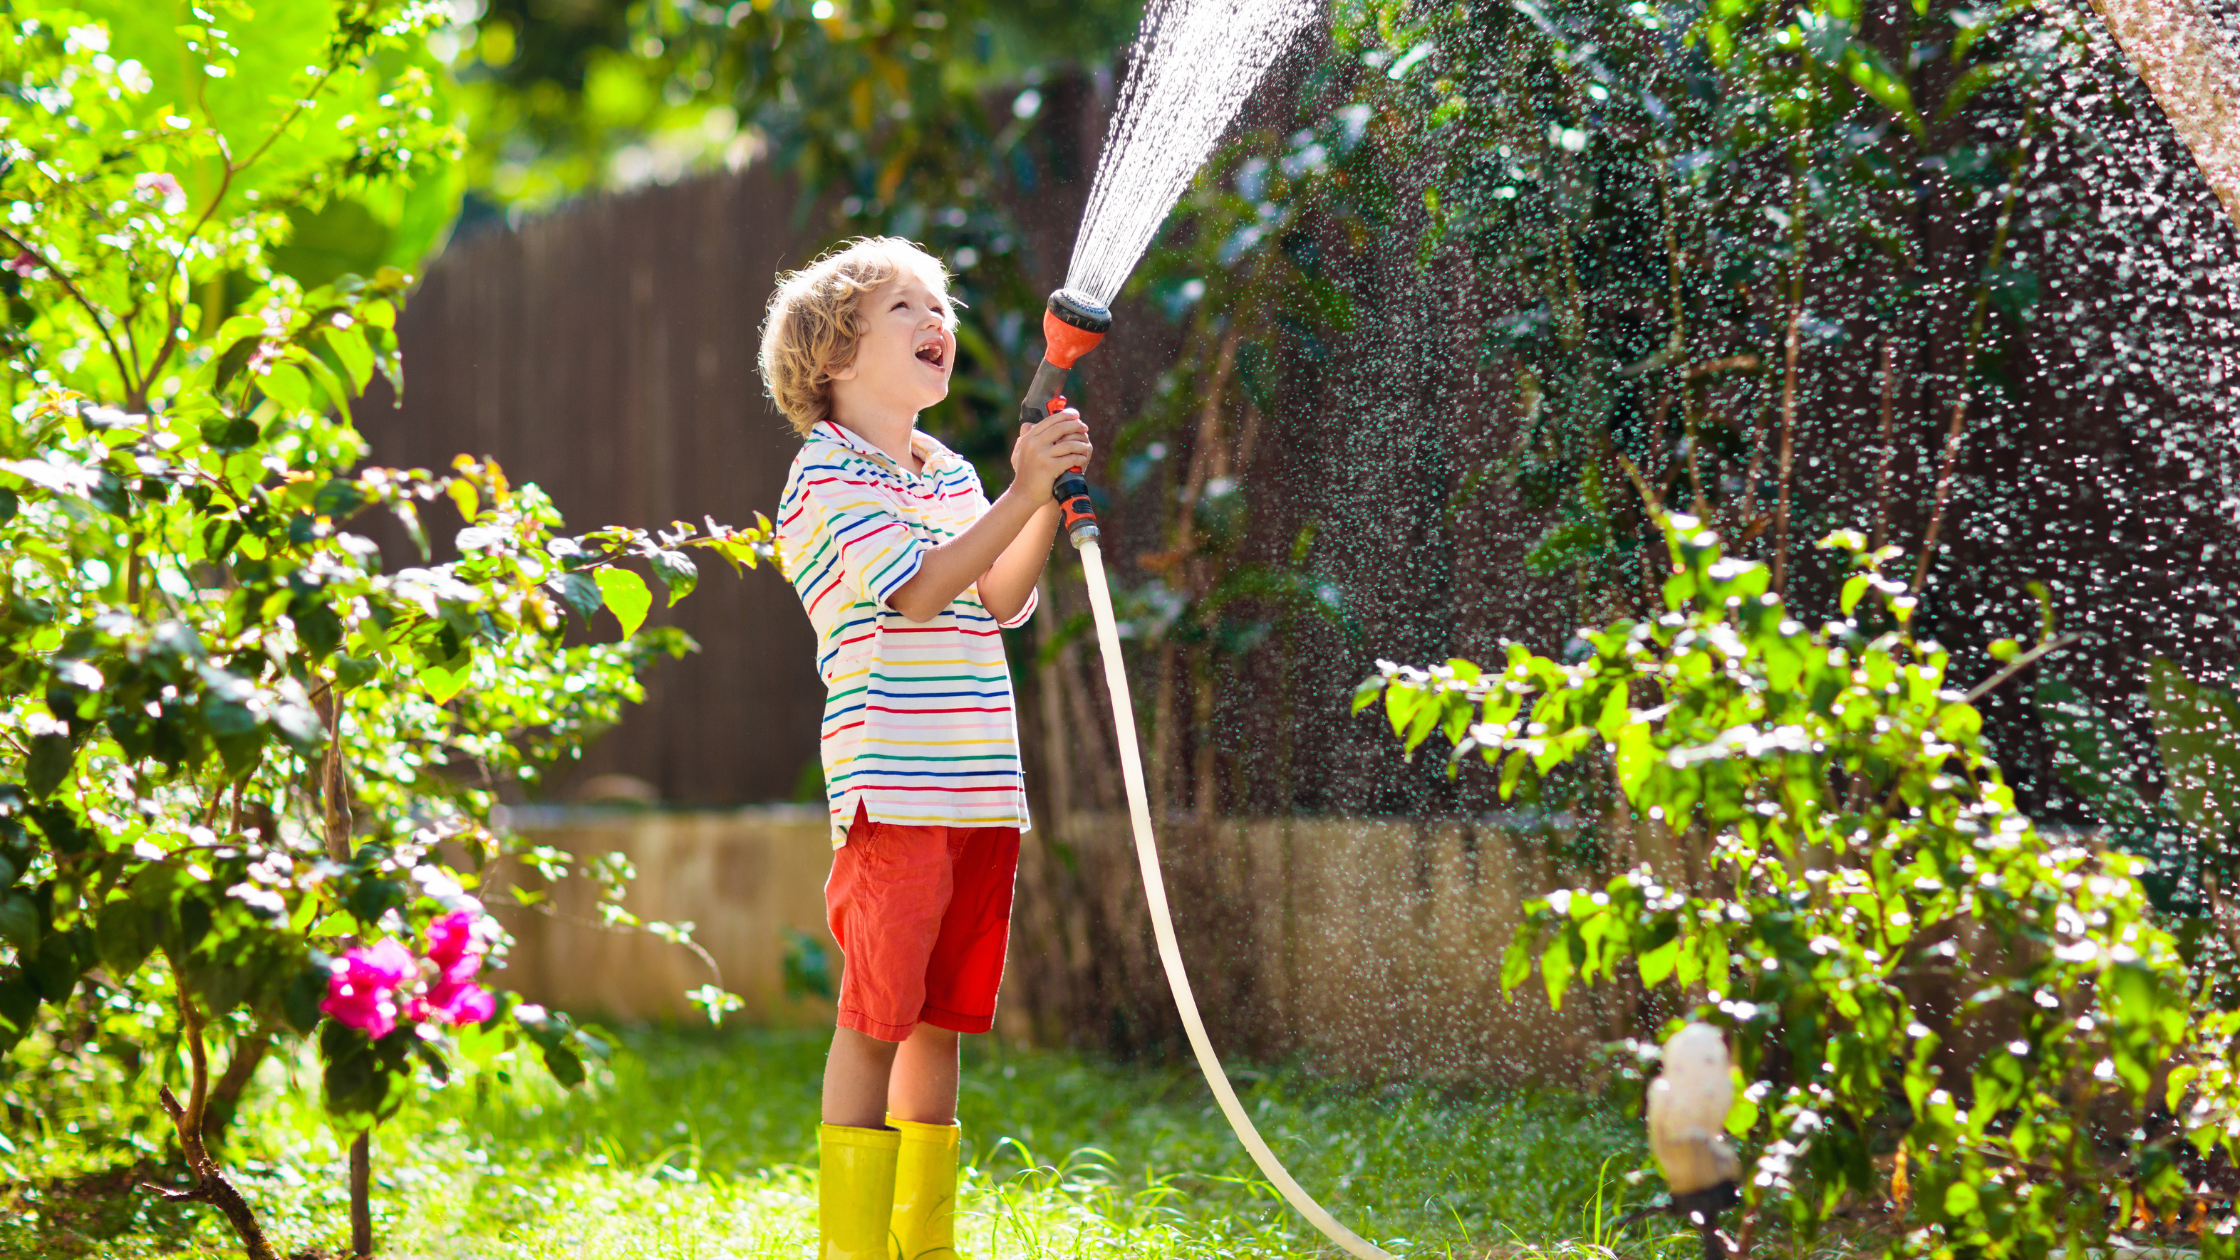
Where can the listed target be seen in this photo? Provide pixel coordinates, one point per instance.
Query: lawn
(701, 1147)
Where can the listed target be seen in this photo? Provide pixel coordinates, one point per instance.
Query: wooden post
(2194, 74)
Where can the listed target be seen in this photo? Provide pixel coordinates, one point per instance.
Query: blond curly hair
(815, 320)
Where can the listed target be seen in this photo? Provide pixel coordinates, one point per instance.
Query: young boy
(906, 571)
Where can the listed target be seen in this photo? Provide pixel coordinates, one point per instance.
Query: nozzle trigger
(1057, 404)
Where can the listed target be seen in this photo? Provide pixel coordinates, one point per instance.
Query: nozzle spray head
(1073, 323)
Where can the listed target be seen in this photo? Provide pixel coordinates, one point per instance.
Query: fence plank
(608, 355)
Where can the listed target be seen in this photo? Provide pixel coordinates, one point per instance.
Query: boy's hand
(1045, 451)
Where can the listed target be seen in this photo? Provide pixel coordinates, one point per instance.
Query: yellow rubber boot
(855, 1191)
(925, 1191)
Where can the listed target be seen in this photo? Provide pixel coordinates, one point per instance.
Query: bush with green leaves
(1903, 962)
(238, 753)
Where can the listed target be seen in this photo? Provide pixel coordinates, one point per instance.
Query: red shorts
(922, 915)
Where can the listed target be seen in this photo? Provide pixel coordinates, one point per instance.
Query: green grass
(702, 1147)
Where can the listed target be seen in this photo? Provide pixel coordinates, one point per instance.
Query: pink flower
(164, 185)
(461, 1002)
(362, 990)
(451, 942)
(454, 998)
(24, 264)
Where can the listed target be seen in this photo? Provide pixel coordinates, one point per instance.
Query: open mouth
(933, 353)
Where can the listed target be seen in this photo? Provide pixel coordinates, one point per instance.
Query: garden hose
(1162, 923)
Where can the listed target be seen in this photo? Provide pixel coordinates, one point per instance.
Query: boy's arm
(1012, 524)
(1007, 584)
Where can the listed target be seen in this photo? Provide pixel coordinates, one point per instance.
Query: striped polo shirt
(918, 719)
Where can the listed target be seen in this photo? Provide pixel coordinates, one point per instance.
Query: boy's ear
(844, 372)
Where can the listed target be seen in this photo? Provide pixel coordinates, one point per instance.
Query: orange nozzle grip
(1077, 510)
(1066, 343)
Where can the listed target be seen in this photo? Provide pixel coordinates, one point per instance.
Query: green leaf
(121, 938)
(1742, 1116)
(578, 592)
(19, 920)
(1516, 965)
(344, 237)
(1513, 770)
(230, 365)
(1636, 757)
(370, 897)
(64, 832)
(441, 684)
(675, 571)
(53, 972)
(1556, 967)
(287, 385)
(1658, 963)
(227, 435)
(627, 597)
(329, 383)
(1882, 81)
(351, 671)
(1615, 715)
(337, 498)
(1854, 589)
(1366, 694)
(300, 1004)
(564, 1065)
(319, 627)
(49, 764)
(349, 346)
(19, 1003)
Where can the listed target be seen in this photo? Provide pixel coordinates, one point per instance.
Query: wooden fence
(608, 355)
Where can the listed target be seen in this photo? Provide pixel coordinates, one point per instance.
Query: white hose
(1162, 924)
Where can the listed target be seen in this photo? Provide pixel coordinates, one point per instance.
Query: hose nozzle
(1072, 324)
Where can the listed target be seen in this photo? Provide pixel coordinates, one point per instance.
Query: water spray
(1193, 64)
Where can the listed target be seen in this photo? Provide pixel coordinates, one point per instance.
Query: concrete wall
(1363, 947)
(741, 878)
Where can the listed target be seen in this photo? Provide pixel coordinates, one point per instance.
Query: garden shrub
(1857, 855)
(246, 771)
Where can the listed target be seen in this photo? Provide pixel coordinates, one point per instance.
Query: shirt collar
(929, 448)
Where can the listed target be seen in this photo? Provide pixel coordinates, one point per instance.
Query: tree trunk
(211, 1185)
(361, 1197)
(249, 1050)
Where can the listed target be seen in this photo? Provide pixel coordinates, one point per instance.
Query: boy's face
(907, 353)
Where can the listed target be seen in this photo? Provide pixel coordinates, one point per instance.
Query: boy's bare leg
(923, 1086)
(855, 1079)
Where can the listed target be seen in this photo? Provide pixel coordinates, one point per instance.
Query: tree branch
(115, 355)
(2018, 664)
